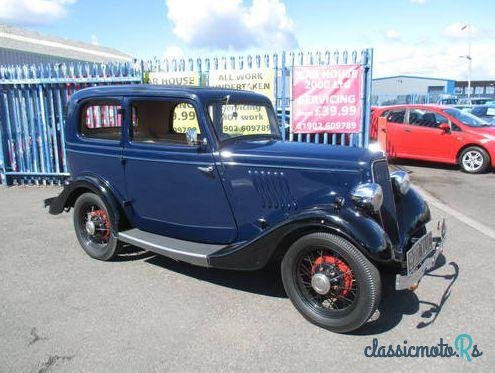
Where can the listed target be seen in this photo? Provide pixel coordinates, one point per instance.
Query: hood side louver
(273, 189)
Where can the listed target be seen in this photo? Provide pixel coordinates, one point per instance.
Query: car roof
(192, 92)
(413, 106)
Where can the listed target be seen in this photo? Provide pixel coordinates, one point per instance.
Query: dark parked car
(475, 101)
(201, 175)
(485, 112)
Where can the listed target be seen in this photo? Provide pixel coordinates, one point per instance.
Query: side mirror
(192, 137)
(444, 127)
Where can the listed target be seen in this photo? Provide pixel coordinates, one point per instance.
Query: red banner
(326, 99)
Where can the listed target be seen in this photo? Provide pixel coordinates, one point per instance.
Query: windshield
(466, 118)
(233, 120)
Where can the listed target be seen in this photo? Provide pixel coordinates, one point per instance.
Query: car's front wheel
(330, 282)
(94, 228)
(474, 160)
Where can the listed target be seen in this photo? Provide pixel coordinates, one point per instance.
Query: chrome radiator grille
(388, 213)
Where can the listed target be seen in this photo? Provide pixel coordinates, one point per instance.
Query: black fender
(66, 199)
(364, 232)
(412, 214)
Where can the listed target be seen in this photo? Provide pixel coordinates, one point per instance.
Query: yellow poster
(174, 77)
(246, 120)
(184, 114)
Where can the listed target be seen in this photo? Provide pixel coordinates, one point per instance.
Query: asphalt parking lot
(62, 311)
(473, 195)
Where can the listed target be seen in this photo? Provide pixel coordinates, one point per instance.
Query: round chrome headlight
(400, 181)
(368, 196)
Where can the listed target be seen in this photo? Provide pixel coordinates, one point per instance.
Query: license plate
(419, 251)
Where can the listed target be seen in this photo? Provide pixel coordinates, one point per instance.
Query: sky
(409, 37)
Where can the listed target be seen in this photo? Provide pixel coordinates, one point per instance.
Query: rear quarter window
(101, 119)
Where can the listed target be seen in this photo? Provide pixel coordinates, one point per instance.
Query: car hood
(289, 154)
(487, 130)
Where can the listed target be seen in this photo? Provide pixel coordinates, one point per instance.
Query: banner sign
(256, 80)
(184, 113)
(174, 77)
(247, 119)
(326, 99)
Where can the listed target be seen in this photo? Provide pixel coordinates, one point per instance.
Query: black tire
(474, 160)
(101, 246)
(366, 279)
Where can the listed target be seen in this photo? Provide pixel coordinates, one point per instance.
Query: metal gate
(33, 109)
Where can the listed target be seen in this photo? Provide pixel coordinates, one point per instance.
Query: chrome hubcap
(472, 160)
(320, 283)
(90, 227)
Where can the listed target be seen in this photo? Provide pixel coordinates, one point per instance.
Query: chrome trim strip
(193, 258)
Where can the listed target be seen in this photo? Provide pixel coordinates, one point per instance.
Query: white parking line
(487, 231)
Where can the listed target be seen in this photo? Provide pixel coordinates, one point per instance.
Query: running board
(187, 251)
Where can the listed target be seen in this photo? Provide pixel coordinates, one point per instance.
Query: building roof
(412, 77)
(18, 39)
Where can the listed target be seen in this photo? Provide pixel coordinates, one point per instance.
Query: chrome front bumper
(411, 280)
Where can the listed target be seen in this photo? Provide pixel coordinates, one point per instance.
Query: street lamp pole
(468, 57)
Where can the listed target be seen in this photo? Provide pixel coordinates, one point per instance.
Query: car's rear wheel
(474, 160)
(330, 282)
(93, 226)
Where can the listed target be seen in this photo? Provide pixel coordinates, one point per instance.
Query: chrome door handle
(207, 170)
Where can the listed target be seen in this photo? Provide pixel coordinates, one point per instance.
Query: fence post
(3, 176)
(368, 68)
(283, 94)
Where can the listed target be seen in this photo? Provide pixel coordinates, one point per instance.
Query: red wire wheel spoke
(342, 291)
(104, 223)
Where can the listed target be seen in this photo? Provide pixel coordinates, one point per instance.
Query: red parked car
(437, 133)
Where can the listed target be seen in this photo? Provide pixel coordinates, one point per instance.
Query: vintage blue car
(201, 175)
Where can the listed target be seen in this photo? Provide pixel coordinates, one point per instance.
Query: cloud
(33, 12)
(459, 31)
(421, 2)
(392, 34)
(437, 60)
(172, 51)
(232, 25)
(94, 39)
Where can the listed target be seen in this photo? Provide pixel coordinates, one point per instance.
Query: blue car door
(173, 188)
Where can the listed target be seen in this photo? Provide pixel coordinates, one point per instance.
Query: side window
(101, 120)
(478, 111)
(425, 118)
(490, 111)
(162, 122)
(396, 116)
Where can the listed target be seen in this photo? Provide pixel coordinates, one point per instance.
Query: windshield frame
(275, 132)
(458, 114)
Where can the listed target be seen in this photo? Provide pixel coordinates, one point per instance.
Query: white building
(402, 89)
(19, 46)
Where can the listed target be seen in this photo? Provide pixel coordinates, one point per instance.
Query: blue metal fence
(34, 99)
(33, 108)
